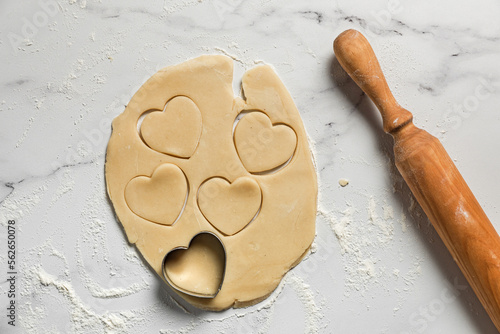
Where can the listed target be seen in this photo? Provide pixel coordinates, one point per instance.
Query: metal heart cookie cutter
(197, 270)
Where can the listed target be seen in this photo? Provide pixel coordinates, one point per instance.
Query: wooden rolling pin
(432, 177)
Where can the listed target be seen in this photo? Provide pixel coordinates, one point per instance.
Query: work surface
(376, 266)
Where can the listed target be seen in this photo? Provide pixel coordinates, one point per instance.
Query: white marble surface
(69, 67)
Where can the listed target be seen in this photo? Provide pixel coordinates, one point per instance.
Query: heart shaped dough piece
(175, 131)
(262, 146)
(229, 207)
(199, 269)
(158, 198)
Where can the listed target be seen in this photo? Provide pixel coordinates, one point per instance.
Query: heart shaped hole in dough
(197, 270)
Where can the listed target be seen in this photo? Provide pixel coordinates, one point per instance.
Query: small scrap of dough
(343, 182)
(258, 252)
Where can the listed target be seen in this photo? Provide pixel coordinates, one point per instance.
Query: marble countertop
(69, 67)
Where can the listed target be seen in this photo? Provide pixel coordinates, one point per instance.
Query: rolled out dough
(194, 166)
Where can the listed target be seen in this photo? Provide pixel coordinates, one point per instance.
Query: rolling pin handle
(356, 56)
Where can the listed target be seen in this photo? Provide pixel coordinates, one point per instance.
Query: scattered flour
(100, 292)
(343, 230)
(385, 225)
(83, 317)
(362, 241)
(306, 296)
(26, 131)
(39, 284)
(181, 5)
(233, 57)
(254, 319)
(402, 221)
(20, 205)
(67, 183)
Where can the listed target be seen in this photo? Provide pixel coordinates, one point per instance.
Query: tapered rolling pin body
(432, 177)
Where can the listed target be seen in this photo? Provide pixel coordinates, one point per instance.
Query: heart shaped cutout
(159, 198)
(197, 270)
(176, 130)
(261, 145)
(230, 207)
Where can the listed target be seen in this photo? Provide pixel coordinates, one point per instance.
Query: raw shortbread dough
(229, 207)
(187, 169)
(158, 198)
(275, 144)
(175, 131)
